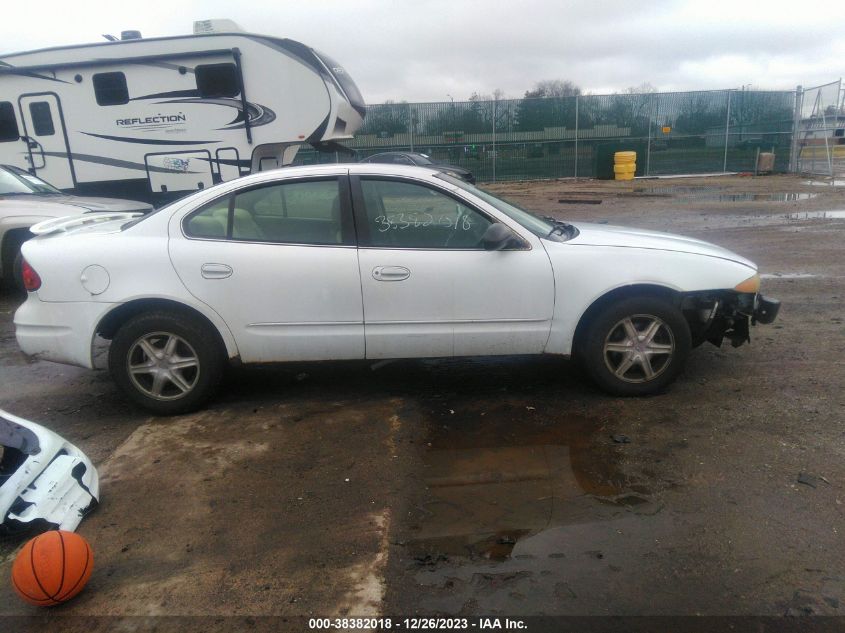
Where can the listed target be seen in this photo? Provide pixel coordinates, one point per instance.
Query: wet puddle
(816, 215)
(528, 509)
(495, 477)
(825, 182)
(719, 194)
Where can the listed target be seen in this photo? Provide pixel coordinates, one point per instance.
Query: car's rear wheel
(636, 346)
(168, 363)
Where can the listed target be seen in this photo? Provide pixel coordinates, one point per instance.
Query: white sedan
(370, 261)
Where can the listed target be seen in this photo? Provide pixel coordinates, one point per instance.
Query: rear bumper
(62, 332)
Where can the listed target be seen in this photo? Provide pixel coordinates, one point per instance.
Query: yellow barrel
(624, 165)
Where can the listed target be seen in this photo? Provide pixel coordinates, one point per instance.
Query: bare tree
(553, 88)
(644, 88)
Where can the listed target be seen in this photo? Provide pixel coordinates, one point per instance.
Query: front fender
(584, 274)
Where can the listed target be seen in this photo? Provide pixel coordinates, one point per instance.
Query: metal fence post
(727, 131)
(495, 102)
(411, 124)
(576, 136)
(794, 150)
(652, 116)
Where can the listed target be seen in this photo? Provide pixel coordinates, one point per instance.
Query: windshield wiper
(560, 226)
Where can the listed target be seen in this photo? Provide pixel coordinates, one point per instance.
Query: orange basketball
(52, 568)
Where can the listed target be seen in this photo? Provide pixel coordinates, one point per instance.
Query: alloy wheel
(639, 348)
(163, 366)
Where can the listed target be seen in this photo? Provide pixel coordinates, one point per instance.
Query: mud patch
(238, 511)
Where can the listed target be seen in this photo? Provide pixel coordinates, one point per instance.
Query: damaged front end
(45, 481)
(724, 314)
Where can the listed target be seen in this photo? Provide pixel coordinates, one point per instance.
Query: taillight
(31, 280)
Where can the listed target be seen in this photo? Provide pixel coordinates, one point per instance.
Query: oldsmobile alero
(370, 261)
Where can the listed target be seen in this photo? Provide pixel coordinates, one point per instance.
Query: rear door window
(301, 212)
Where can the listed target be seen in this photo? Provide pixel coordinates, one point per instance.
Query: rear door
(430, 288)
(278, 262)
(44, 128)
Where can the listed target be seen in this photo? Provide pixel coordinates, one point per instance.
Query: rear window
(8, 122)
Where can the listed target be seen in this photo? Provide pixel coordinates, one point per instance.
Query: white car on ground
(370, 261)
(26, 200)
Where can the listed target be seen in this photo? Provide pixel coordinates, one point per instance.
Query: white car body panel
(63, 334)
(67, 333)
(583, 273)
(55, 483)
(281, 300)
(624, 237)
(289, 302)
(457, 303)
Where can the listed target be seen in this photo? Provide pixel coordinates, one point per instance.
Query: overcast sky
(426, 50)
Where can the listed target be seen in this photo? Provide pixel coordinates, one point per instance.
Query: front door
(430, 288)
(278, 263)
(44, 129)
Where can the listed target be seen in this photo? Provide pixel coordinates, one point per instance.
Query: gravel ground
(491, 486)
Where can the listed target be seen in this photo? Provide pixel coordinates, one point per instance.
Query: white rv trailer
(150, 118)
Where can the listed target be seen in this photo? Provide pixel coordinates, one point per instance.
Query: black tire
(191, 338)
(17, 273)
(645, 366)
(12, 261)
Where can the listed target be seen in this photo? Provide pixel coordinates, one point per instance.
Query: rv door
(44, 132)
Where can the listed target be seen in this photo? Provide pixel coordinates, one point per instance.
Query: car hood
(57, 206)
(624, 237)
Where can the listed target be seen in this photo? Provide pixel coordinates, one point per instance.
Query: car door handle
(390, 273)
(216, 271)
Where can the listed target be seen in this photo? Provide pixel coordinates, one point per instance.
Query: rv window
(217, 80)
(42, 119)
(8, 122)
(110, 89)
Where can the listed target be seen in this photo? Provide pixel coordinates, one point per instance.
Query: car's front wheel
(636, 346)
(168, 363)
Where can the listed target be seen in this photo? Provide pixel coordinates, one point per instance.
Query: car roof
(340, 168)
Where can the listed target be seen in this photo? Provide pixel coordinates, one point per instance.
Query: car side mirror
(498, 237)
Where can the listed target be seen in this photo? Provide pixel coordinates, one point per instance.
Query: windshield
(14, 180)
(538, 226)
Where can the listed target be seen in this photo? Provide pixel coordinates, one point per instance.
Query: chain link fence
(819, 144)
(673, 133)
